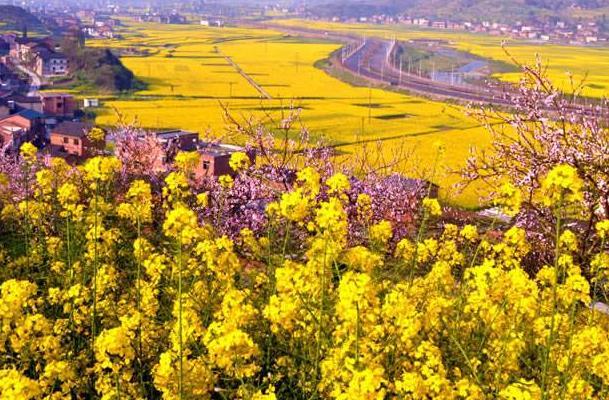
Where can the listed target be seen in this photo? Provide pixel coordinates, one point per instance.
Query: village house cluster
(40, 55)
(48, 121)
(101, 26)
(32, 118)
(558, 31)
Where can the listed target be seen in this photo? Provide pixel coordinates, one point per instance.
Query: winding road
(371, 60)
(36, 83)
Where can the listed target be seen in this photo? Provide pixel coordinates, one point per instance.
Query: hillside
(98, 69)
(17, 19)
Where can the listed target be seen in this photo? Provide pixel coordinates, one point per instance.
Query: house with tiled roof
(16, 129)
(215, 157)
(21, 102)
(50, 63)
(71, 139)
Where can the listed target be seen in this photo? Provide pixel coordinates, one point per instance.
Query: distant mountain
(497, 10)
(17, 19)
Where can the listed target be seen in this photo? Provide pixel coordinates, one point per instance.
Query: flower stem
(180, 344)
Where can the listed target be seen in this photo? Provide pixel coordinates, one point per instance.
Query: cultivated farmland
(189, 76)
(588, 63)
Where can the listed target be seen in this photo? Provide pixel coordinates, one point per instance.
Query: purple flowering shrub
(547, 127)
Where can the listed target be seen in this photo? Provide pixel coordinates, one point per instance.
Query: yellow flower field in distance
(189, 78)
(587, 62)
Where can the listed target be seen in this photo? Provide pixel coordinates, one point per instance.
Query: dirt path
(244, 74)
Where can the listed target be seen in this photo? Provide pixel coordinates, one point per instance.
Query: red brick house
(16, 129)
(70, 138)
(58, 104)
(215, 159)
(4, 108)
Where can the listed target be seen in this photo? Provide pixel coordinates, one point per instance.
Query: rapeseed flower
(432, 207)
(239, 161)
(562, 186)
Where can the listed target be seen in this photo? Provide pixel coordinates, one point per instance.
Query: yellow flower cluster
(187, 161)
(432, 207)
(509, 199)
(109, 294)
(239, 161)
(29, 152)
(139, 207)
(562, 186)
(101, 169)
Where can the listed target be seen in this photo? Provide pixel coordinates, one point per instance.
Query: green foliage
(16, 19)
(98, 68)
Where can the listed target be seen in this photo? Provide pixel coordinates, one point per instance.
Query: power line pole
(369, 103)
(400, 84)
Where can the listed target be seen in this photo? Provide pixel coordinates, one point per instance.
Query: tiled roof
(17, 98)
(75, 129)
(30, 114)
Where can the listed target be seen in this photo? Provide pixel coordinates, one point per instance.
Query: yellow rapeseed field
(189, 78)
(588, 63)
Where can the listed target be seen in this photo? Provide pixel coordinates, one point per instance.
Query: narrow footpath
(244, 74)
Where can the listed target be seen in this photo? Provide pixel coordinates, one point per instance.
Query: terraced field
(189, 77)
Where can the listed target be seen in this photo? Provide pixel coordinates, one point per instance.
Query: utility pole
(452, 75)
(369, 103)
(362, 128)
(400, 84)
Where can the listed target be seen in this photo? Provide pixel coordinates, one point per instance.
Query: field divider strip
(244, 74)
